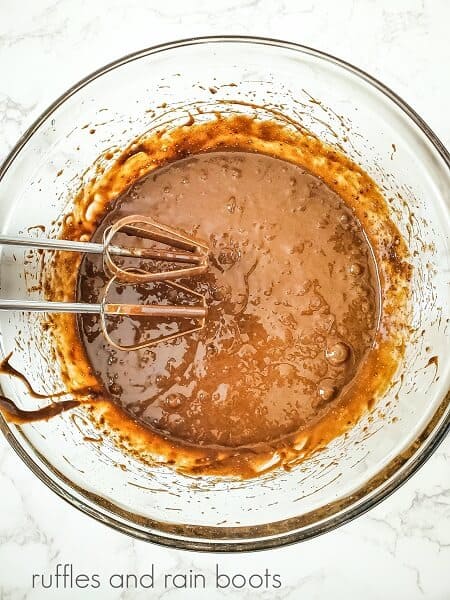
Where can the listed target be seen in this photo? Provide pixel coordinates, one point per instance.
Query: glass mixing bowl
(340, 104)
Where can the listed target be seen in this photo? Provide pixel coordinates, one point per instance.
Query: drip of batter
(292, 293)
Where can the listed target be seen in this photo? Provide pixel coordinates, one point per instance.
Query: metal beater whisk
(190, 256)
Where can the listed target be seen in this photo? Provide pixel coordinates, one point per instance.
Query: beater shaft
(135, 310)
(96, 248)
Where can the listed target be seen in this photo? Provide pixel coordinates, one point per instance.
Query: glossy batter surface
(292, 295)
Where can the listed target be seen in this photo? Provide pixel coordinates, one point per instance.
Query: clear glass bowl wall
(375, 129)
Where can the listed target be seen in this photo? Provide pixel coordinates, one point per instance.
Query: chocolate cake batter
(292, 294)
(303, 333)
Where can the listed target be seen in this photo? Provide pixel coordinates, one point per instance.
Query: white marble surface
(398, 551)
